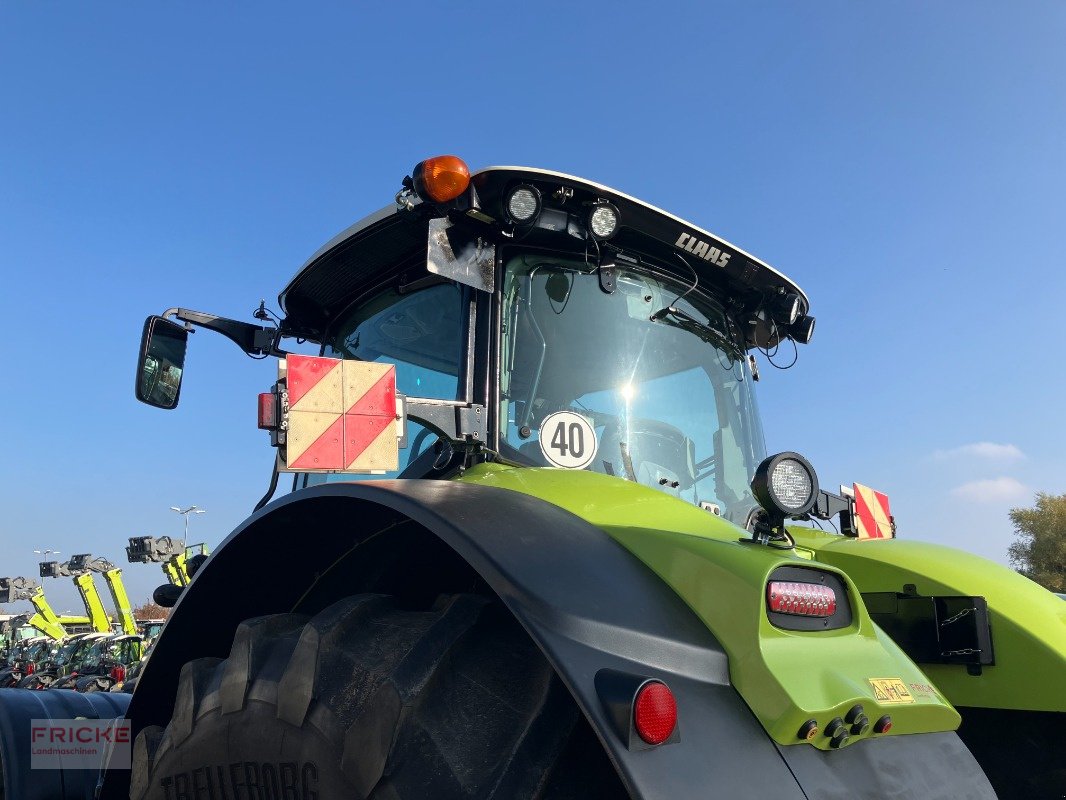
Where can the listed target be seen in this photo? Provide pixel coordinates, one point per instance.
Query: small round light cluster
(803, 599)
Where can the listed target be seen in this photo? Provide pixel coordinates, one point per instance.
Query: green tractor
(543, 554)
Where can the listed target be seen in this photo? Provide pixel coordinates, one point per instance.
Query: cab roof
(394, 239)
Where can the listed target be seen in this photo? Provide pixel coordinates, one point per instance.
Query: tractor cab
(528, 317)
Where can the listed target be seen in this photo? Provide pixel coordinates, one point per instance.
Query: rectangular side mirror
(162, 359)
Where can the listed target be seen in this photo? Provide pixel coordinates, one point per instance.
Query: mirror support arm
(255, 340)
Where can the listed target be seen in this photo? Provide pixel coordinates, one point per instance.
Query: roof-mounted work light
(523, 204)
(602, 220)
(786, 308)
(802, 329)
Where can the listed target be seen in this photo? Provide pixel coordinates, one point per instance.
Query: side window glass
(421, 332)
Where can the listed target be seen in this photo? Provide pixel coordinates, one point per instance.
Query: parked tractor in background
(546, 555)
(61, 671)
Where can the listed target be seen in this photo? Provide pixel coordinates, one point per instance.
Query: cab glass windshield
(664, 394)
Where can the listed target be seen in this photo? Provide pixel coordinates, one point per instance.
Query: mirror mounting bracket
(255, 340)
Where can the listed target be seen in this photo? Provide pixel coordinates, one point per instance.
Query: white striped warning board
(873, 520)
(342, 415)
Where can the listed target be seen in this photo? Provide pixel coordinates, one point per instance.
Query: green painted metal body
(785, 677)
(1028, 622)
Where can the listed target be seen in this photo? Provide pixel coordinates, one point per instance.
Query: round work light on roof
(787, 308)
(785, 485)
(603, 220)
(523, 204)
(802, 329)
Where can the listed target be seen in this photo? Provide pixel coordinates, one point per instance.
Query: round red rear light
(118, 673)
(655, 712)
(441, 179)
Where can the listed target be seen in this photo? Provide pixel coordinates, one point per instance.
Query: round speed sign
(567, 440)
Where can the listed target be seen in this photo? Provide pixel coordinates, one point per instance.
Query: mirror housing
(167, 595)
(161, 362)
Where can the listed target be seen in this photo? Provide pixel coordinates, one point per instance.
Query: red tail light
(655, 712)
(30, 667)
(118, 673)
(803, 599)
(268, 411)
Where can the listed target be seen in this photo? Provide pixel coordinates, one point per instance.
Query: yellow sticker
(891, 690)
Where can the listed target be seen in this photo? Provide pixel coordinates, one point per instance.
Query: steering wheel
(658, 446)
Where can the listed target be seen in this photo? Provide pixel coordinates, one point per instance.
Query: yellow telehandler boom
(45, 619)
(83, 582)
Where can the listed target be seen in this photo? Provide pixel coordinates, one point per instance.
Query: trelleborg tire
(370, 700)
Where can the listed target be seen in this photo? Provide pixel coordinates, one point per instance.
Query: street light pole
(185, 513)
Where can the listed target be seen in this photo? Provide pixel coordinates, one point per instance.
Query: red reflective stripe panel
(873, 519)
(379, 399)
(326, 451)
(304, 373)
(361, 433)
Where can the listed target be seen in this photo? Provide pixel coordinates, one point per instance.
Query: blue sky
(904, 163)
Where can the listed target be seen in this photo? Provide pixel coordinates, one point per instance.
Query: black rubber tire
(370, 700)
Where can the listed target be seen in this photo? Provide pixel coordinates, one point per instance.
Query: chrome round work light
(603, 220)
(523, 204)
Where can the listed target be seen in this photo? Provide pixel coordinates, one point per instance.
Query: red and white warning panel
(873, 520)
(342, 415)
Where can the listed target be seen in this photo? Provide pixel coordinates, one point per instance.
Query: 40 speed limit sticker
(567, 440)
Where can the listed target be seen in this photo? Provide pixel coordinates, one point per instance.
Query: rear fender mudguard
(586, 601)
(583, 598)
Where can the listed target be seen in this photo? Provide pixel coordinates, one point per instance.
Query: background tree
(1040, 550)
(149, 610)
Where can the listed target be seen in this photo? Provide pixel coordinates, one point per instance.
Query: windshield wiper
(671, 315)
